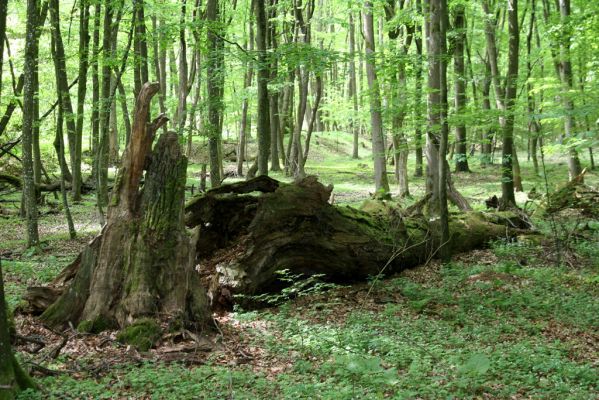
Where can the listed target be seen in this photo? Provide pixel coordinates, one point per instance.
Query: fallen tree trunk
(141, 267)
(245, 239)
(17, 183)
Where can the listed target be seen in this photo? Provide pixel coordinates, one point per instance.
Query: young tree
(352, 89)
(505, 96)
(574, 166)
(376, 120)
(263, 76)
(507, 181)
(62, 84)
(81, 91)
(459, 39)
(215, 83)
(29, 94)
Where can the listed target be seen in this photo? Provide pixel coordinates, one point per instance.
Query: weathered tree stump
(141, 266)
(245, 239)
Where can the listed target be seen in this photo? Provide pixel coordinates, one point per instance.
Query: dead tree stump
(141, 266)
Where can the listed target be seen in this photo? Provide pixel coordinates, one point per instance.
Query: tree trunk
(215, 81)
(13, 378)
(102, 152)
(142, 263)
(64, 96)
(487, 136)
(511, 86)
(461, 158)
(95, 115)
(183, 67)
(313, 117)
(275, 94)
(574, 166)
(418, 171)
(352, 90)
(294, 227)
(245, 125)
(376, 120)
(263, 75)
(81, 90)
(63, 191)
(30, 63)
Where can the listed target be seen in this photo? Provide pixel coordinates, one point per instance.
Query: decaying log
(141, 266)
(574, 195)
(245, 239)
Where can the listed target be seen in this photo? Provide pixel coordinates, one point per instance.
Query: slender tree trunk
(95, 116)
(243, 131)
(215, 81)
(533, 125)
(488, 133)
(183, 71)
(63, 192)
(574, 166)
(124, 110)
(81, 91)
(113, 129)
(102, 153)
(461, 158)
(418, 171)
(30, 62)
(37, 156)
(64, 96)
(313, 117)
(352, 90)
(507, 181)
(376, 121)
(275, 116)
(441, 6)
(263, 75)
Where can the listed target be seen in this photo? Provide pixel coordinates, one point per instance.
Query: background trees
(323, 68)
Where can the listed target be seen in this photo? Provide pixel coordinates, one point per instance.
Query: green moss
(96, 325)
(142, 334)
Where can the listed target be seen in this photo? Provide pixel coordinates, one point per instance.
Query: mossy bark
(13, 378)
(142, 263)
(246, 239)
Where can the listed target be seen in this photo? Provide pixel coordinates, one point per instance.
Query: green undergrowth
(461, 330)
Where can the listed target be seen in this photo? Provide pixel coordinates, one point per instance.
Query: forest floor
(504, 322)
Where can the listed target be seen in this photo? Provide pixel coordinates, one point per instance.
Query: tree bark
(181, 115)
(30, 63)
(245, 125)
(13, 378)
(352, 90)
(294, 227)
(263, 76)
(63, 94)
(95, 114)
(81, 89)
(459, 26)
(376, 121)
(418, 171)
(142, 263)
(574, 166)
(507, 181)
(215, 82)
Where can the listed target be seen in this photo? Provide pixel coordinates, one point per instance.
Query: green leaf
(477, 364)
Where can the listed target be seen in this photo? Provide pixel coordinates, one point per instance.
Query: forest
(299, 199)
